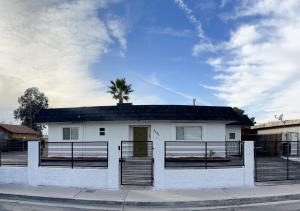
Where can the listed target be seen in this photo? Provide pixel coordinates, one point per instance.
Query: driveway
(276, 168)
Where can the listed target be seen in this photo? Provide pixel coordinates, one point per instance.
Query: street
(14, 205)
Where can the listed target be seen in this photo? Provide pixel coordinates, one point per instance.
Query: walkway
(151, 198)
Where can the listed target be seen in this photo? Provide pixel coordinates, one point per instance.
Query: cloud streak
(169, 31)
(204, 44)
(154, 81)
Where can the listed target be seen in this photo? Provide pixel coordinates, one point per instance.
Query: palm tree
(120, 90)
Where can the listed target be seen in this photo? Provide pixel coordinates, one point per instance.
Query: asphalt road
(13, 205)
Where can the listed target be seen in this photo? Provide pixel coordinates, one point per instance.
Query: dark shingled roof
(137, 112)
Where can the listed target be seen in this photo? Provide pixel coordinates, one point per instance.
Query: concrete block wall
(108, 178)
(204, 178)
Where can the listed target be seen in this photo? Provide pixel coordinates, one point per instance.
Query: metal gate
(137, 163)
(277, 160)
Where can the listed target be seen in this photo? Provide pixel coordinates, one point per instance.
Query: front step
(137, 171)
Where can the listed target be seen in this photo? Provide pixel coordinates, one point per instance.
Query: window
(231, 135)
(189, 133)
(70, 133)
(102, 131)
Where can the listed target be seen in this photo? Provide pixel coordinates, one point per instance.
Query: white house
(161, 146)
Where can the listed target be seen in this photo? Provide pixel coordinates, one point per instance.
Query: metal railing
(13, 152)
(136, 163)
(277, 160)
(74, 154)
(204, 154)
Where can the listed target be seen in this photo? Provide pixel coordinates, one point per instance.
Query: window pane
(192, 133)
(66, 133)
(179, 133)
(231, 135)
(74, 133)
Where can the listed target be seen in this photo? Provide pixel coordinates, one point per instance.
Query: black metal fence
(13, 152)
(203, 154)
(277, 160)
(136, 163)
(74, 154)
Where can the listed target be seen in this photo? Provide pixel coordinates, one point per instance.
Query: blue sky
(159, 44)
(240, 53)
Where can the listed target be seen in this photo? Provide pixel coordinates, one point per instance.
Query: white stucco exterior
(236, 129)
(118, 131)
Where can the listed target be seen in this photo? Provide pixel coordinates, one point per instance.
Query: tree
(120, 90)
(241, 112)
(31, 102)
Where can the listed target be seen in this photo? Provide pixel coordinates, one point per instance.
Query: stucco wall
(233, 129)
(11, 174)
(117, 131)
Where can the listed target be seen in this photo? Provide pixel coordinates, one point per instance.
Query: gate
(277, 160)
(137, 163)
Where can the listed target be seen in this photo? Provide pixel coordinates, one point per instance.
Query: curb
(177, 204)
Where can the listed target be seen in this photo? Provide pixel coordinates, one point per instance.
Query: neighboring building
(20, 132)
(274, 127)
(273, 137)
(289, 129)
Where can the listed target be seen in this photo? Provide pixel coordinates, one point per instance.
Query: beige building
(8, 131)
(289, 129)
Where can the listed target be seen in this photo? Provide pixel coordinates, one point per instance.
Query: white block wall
(204, 178)
(65, 177)
(13, 174)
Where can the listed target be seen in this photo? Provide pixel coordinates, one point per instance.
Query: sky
(220, 52)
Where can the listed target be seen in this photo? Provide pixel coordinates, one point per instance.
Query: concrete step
(137, 182)
(136, 173)
(138, 162)
(136, 168)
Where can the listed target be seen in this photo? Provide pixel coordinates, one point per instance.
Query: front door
(140, 139)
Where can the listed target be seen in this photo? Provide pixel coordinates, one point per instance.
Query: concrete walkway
(200, 197)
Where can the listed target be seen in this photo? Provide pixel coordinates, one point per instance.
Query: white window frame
(70, 133)
(186, 125)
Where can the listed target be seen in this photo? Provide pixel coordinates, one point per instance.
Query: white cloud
(215, 62)
(246, 34)
(117, 29)
(261, 66)
(51, 45)
(169, 31)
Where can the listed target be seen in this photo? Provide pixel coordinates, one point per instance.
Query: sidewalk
(201, 197)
